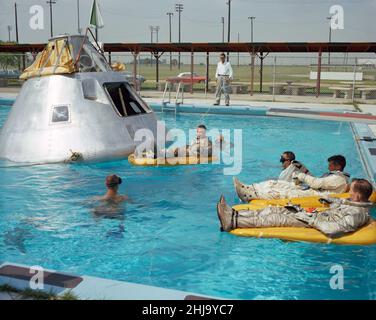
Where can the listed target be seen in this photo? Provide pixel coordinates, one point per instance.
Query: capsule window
(125, 100)
(60, 114)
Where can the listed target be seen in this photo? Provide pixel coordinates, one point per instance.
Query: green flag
(96, 20)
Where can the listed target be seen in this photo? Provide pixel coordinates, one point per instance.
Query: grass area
(242, 74)
(38, 294)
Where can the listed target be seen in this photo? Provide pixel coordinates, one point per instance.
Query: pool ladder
(166, 104)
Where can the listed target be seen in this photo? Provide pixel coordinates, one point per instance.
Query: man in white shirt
(223, 75)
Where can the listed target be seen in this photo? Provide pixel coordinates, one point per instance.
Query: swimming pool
(169, 236)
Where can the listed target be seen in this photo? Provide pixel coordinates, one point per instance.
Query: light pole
(78, 17)
(16, 20)
(251, 19)
(50, 2)
(151, 41)
(330, 37)
(170, 14)
(156, 28)
(179, 8)
(223, 28)
(229, 26)
(238, 52)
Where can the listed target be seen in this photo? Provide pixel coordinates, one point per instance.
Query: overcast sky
(129, 20)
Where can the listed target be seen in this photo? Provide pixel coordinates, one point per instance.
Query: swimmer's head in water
(113, 181)
(201, 131)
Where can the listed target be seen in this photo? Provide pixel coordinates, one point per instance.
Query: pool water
(169, 235)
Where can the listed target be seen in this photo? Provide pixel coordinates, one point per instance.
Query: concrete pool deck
(18, 276)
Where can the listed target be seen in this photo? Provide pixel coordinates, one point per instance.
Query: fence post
(261, 69)
(354, 80)
(138, 67)
(318, 74)
(252, 72)
(23, 61)
(192, 61)
(274, 76)
(207, 75)
(135, 54)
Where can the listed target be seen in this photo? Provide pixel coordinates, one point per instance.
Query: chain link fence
(342, 77)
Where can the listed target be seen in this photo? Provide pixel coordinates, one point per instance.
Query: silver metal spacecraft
(73, 106)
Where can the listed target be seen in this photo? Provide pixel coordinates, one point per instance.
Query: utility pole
(223, 28)
(179, 8)
(330, 37)
(229, 26)
(251, 19)
(78, 17)
(170, 14)
(50, 2)
(9, 29)
(16, 20)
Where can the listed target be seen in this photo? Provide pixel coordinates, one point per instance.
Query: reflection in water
(16, 238)
(110, 209)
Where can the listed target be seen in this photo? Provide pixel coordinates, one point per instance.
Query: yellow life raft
(172, 161)
(364, 236)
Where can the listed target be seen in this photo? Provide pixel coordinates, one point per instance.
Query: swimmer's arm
(327, 183)
(127, 199)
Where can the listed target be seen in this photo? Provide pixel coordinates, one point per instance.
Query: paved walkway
(156, 96)
(369, 108)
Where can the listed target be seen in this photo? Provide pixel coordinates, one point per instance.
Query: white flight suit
(331, 182)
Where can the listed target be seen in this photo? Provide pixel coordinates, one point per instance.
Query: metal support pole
(23, 61)
(318, 74)
(261, 69)
(192, 57)
(274, 76)
(207, 73)
(135, 54)
(109, 57)
(354, 81)
(253, 56)
(156, 55)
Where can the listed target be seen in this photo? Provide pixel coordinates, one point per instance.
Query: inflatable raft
(306, 202)
(173, 161)
(364, 236)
